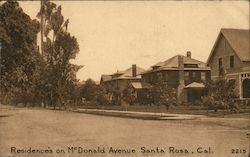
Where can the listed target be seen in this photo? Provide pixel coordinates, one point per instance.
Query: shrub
(221, 95)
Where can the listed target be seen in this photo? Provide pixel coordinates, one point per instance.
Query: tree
(89, 90)
(102, 96)
(94, 93)
(20, 58)
(129, 95)
(58, 49)
(162, 94)
(221, 95)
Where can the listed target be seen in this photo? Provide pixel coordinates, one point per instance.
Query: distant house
(117, 82)
(230, 57)
(182, 73)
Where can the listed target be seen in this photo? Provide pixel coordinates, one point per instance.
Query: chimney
(189, 54)
(180, 89)
(180, 62)
(134, 70)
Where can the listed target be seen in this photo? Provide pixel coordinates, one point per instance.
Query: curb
(137, 115)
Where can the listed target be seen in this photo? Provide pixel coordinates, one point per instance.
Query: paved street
(39, 130)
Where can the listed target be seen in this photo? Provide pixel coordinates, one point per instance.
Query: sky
(113, 35)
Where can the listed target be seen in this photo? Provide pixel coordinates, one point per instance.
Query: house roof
(173, 64)
(128, 72)
(106, 77)
(125, 74)
(239, 41)
(140, 85)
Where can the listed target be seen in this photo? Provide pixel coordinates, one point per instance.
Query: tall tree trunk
(42, 24)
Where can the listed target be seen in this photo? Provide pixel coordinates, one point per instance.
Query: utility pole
(42, 24)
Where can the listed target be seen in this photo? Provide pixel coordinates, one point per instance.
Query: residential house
(183, 73)
(117, 82)
(230, 56)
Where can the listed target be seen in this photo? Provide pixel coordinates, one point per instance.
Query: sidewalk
(139, 115)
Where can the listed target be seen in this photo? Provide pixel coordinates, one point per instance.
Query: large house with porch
(183, 73)
(230, 56)
(116, 83)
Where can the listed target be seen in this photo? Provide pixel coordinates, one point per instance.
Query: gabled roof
(239, 41)
(125, 74)
(173, 64)
(128, 72)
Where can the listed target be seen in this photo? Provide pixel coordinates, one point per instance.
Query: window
(186, 75)
(220, 68)
(190, 65)
(203, 76)
(231, 61)
(220, 63)
(192, 74)
(155, 67)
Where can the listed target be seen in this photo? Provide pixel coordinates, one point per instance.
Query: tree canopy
(59, 48)
(20, 57)
(47, 77)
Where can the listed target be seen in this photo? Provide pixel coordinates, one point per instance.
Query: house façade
(182, 73)
(230, 57)
(116, 83)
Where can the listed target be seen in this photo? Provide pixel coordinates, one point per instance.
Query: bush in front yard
(162, 94)
(94, 93)
(221, 95)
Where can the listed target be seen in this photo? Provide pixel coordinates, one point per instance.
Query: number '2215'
(238, 151)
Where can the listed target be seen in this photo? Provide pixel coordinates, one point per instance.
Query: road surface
(47, 133)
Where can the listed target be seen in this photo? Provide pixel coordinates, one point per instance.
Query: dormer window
(190, 65)
(155, 67)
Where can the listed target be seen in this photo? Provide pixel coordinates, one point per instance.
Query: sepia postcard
(136, 78)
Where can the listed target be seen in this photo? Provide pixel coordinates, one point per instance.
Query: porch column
(240, 86)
